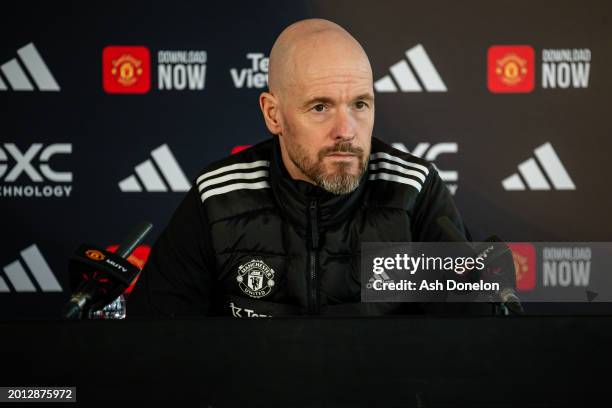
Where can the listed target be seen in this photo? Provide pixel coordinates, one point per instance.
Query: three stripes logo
(18, 79)
(430, 152)
(238, 176)
(149, 174)
(20, 281)
(534, 173)
(386, 167)
(405, 77)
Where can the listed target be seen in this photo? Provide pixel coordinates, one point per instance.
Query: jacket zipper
(314, 241)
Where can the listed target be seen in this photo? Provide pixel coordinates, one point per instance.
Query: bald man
(277, 229)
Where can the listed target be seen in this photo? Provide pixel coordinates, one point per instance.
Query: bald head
(320, 104)
(313, 47)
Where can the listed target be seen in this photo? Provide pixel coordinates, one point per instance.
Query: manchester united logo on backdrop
(524, 257)
(126, 69)
(255, 278)
(511, 69)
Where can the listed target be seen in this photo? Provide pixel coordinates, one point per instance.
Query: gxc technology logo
(33, 163)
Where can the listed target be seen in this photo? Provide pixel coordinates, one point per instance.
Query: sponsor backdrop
(107, 113)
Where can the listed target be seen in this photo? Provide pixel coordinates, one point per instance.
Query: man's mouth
(341, 154)
(342, 157)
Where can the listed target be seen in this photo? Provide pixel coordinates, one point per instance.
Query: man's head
(320, 104)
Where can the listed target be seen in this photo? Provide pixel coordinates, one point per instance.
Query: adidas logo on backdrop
(150, 176)
(405, 77)
(20, 281)
(535, 173)
(18, 79)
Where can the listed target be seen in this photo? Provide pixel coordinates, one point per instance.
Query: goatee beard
(340, 182)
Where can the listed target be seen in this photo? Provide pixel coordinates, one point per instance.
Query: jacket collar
(295, 197)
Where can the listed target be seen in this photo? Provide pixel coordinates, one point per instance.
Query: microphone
(100, 276)
(498, 261)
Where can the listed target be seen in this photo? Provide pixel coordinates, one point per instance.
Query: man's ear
(269, 107)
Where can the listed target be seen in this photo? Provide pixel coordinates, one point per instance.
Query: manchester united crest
(512, 69)
(127, 69)
(255, 278)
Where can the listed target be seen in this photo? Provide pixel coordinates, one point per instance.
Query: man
(277, 229)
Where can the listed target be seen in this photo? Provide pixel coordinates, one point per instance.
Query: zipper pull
(314, 227)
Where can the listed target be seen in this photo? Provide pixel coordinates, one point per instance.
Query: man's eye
(319, 107)
(361, 105)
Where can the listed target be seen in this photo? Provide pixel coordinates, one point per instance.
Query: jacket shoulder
(378, 146)
(236, 184)
(393, 169)
(257, 152)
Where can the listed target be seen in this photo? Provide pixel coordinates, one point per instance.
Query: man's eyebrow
(324, 99)
(318, 99)
(365, 97)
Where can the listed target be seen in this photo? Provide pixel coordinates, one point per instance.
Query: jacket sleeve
(178, 277)
(434, 201)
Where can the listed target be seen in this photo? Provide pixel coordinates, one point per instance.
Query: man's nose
(345, 128)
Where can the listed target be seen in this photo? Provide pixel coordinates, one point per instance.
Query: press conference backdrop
(109, 110)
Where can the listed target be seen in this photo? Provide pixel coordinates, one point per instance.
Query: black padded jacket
(248, 240)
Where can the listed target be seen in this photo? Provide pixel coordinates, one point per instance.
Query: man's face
(327, 117)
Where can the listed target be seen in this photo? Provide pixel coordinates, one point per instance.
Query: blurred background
(109, 110)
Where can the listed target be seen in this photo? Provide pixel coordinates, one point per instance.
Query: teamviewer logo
(405, 78)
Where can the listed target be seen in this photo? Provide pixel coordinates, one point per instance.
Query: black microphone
(100, 276)
(498, 261)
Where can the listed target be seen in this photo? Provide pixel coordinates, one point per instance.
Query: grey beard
(341, 183)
